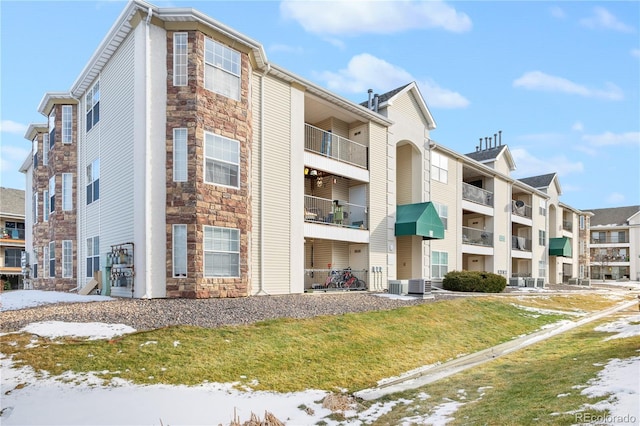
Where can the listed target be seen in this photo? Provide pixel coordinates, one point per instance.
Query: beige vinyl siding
(448, 194)
(381, 230)
(277, 195)
(501, 225)
(256, 162)
(404, 174)
(409, 107)
(111, 140)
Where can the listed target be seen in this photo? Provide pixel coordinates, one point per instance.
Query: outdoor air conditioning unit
(419, 287)
(398, 287)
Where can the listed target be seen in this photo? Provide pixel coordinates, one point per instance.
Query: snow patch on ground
(20, 299)
(624, 327)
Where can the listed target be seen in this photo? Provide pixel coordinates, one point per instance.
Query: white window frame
(67, 259)
(52, 194)
(45, 205)
(67, 124)
(180, 164)
(582, 222)
(35, 152)
(92, 106)
(542, 237)
(180, 59)
(45, 261)
(179, 251)
(52, 259)
(222, 73)
(92, 258)
(439, 264)
(35, 207)
(52, 128)
(443, 212)
(543, 208)
(214, 244)
(542, 269)
(45, 149)
(93, 181)
(221, 155)
(439, 167)
(67, 191)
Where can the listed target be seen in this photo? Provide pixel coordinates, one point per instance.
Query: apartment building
(615, 243)
(12, 237)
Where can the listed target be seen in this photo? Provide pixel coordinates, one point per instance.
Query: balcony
(477, 195)
(328, 212)
(610, 239)
(567, 225)
(335, 147)
(520, 243)
(519, 208)
(477, 237)
(12, 234)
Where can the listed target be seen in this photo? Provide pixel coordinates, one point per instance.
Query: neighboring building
(615, 243)
(12, 236)
(181, 163)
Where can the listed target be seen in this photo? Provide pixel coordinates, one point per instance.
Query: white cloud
(610, 138)
(557, 12)
(530, 165)
(365, 71)
(635, 53)
(615, 198)
(11, 157)
(537, 80)
(578, 126)
(350, 17)
(8, 126)
(603, 19)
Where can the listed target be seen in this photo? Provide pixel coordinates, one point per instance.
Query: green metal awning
(560, 247)
(420, 219)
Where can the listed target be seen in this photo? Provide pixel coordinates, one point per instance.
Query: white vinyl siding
(92, 106)
(221, 252)
(67, 191)
(179, 251)
(67, 124)
(222, 160)
(439, 167)
(67, 259)
(180, 155)
(93, 256)
(222, 69)
(180, 59)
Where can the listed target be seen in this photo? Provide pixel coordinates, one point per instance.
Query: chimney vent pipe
(376, 101)
(370, 92)
(500, 133)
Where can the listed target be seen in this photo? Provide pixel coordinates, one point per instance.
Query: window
(34, 264)
(93, 181)
(67, 259)
(221, 252)
(439, 167)
(180, 58)
(93, 255)
(45, 260)
(543, 208)
(222, 69)
(443, 212)
(222, 158)
(52, 194)
(52, 259)
(92, 105)
(67, 122)
(179, 250)
(67, 191)
(439, 264)
(52, 128)
(35, 208)
(581, 222)
(35, 152)
(12, 258)
(542, 269)
(179, 155)
(542, 237)
(45, 205)
(45, 149)
(581, 273)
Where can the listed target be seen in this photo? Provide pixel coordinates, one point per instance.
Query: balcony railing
(11, 234)
(520, 209)
(477, 195)
(520, 243)
(335, 147)
(609, 239)
(567, 225)
(477, 237)
(321, 210)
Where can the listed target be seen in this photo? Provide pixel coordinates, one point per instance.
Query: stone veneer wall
(40, 233)
(63, 158)
(194, 202)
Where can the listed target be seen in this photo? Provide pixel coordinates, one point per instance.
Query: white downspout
(261, 284)
(147, 162)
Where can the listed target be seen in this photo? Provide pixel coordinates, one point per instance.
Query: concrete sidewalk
(432, 373)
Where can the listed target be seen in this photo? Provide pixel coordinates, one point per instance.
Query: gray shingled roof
(487, 154)
(385, 96)
(12, 201)
(542, 181)
(612, 216)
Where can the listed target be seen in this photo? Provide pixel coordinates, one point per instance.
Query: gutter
(147, 163)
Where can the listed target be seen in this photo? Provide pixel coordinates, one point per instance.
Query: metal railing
(335, 147)
(11, 234)
(316, 279)
(321, 210)
(523, 210)
(567, 225)
(609, 239)
(477, 237)
(477, 195)
(520, 243)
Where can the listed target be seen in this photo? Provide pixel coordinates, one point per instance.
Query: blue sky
(560, 79)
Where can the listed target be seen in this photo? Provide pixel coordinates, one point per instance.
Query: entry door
(358, 257)
(358, 196)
